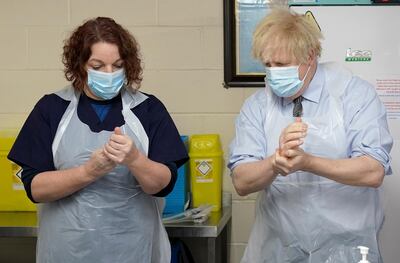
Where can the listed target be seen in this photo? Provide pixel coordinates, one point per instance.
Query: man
(316, 144)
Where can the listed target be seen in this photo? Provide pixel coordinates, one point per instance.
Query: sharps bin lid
(204, 145)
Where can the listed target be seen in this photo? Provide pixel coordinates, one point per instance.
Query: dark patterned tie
(297, 108)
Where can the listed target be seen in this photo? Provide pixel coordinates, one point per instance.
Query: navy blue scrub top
(32, 149)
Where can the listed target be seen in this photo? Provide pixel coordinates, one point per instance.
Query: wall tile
(188, 124)
(190, 12)
(252, 196)
(227, 185)
(12, 121)
(250, 91)
(224, 125)
(125, 12)
(38, 12)
(13, 52)
(213, 49)
(237, 251)
(221, 124)
(20, 90)
(193, 91)
(169, 47)
(243, 213)
(46, 47)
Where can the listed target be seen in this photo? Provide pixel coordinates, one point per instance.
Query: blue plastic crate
(176, 200)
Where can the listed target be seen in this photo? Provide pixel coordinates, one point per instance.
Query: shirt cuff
(378, 154)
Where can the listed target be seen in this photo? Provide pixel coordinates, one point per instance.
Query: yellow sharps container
(12, 193)
(206, 170)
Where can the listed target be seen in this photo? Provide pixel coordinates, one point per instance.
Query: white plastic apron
(303, 217)
(110, 220)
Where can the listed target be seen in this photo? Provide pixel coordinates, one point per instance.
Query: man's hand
(292, 136)
(293, 160)
(290, 157)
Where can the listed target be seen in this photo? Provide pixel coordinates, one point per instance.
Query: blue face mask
(106, 85)
(284, 81)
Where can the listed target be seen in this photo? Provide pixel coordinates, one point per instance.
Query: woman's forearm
(151, 175)
(53, 185)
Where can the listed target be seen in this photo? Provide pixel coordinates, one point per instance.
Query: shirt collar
(314, 89)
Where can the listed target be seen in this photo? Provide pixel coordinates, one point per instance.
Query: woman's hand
(120, 148)
(152, 176)
(98, 164)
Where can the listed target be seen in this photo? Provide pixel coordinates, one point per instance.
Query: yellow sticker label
(309, 15)
(204, 169)
(16, 177)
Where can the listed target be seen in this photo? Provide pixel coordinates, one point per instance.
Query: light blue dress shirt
(364, 118)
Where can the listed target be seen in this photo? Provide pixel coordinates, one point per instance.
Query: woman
(96, 154)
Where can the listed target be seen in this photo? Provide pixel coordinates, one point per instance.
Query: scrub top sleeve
(250, 142)
(28, 174)
(32, 147)
(165, 143)
(366, 123)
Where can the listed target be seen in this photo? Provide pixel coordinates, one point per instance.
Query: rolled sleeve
(249, 143)
(368, 131)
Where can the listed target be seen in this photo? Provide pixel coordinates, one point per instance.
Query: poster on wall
(365, 44)
(240, 20)
(388, 90)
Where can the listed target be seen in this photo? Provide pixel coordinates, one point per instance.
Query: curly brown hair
(77, 50)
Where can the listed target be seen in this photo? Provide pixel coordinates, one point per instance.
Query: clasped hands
(120, 149)
(289, 157)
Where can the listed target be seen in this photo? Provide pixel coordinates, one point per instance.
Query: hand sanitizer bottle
(364, 253)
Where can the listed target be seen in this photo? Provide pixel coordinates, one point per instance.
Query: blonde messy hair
(285, 30)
